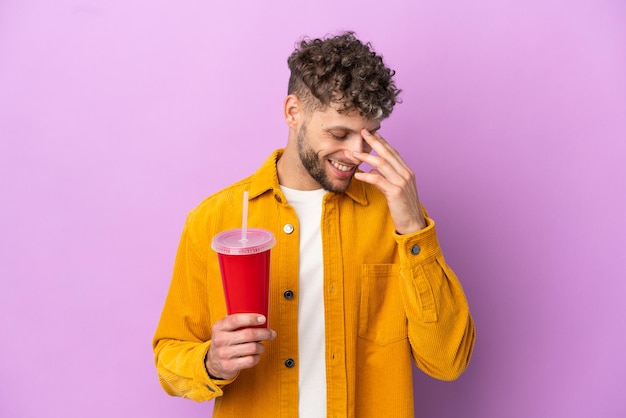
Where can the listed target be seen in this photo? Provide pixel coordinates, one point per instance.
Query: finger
(389, 163)
(382, 168)
(226, 367)
(384, 150)
(246, 335)
(373, 177)
(381, 182)
(224, 359)
(244, 320)
(240, 363)
(223, 339)
(243, 350)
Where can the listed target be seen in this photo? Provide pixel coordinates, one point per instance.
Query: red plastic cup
(245, 269)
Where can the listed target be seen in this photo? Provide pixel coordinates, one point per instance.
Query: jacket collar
(266, 179)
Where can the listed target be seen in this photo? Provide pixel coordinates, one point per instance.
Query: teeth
(340, 166)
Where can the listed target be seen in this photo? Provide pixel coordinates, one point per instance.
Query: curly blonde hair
(342, 70)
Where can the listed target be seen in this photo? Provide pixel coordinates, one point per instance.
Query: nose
(358, 144)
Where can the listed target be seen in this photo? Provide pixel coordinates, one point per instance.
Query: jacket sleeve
(183, 334)
(440, 327)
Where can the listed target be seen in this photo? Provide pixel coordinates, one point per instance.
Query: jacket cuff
(420, 246)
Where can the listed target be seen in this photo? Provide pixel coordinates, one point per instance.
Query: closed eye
(338, 134)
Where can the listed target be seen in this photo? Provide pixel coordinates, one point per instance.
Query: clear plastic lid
(230, 242)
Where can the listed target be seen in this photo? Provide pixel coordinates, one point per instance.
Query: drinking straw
(244, 218)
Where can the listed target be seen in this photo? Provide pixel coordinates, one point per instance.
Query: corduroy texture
(388, 299)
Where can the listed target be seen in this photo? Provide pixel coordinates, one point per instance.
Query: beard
(315, 166)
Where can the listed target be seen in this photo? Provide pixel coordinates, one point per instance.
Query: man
(359, 286)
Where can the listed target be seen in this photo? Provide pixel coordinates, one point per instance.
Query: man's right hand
(235, 346)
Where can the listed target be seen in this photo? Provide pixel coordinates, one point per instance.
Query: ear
(293, 110)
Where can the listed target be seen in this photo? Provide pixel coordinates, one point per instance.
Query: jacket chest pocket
(382, 319)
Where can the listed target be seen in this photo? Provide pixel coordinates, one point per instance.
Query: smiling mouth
(342, 167)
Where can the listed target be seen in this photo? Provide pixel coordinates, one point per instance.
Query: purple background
(119, 116)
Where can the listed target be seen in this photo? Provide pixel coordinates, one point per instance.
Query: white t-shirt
(311, 334)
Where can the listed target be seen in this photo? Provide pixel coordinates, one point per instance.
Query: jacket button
(278, 199)
(289, 363)
(288, 228)
(415, 250)
(288, 294)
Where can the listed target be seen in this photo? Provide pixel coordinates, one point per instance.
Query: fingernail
(367, 132)
(261, 319)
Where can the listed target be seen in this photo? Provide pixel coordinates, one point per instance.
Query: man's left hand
(393, 177)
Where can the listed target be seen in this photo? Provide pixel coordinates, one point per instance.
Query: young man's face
(326, 142)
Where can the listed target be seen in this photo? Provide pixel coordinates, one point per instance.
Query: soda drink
(245, 269)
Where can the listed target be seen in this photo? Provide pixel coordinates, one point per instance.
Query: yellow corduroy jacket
(388, 299)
